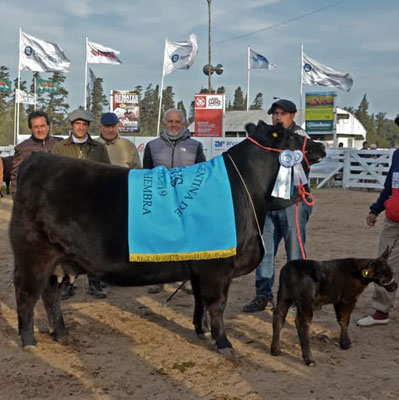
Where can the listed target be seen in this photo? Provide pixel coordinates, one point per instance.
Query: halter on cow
(70, 217)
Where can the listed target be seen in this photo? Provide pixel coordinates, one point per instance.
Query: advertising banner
(43, 86)
(125, 104)
(209, 111)
(5, 86)
(319, 112)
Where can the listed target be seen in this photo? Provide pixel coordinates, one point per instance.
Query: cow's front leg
(51, 297)
(343, 314)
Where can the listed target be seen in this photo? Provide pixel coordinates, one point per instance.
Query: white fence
(6, 151)
(352, 168)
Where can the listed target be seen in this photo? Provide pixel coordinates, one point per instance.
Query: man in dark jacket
(174, 148)
(280, 221)
(40, 140)
(80, 145)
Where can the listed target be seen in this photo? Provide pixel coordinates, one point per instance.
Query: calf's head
(379, 271)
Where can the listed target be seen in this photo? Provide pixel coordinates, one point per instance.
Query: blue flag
(256, 60)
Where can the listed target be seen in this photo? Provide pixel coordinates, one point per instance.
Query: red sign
(209, 110)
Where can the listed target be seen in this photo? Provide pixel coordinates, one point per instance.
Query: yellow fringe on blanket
(196, 255)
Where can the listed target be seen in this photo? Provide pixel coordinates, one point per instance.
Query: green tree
(238, 102)
(6, 112)
(367, 121)
(56, 106)
(167, 100)
(180, 106)
(149, 111)
(98, 101)
(258, 102)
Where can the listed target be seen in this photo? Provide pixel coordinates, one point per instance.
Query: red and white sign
(209, 111)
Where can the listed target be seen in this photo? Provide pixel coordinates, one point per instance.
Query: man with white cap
(80, 145)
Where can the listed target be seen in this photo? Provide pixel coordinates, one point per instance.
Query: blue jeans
(280, 224)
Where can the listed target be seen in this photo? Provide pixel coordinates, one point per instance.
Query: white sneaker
(370, 321)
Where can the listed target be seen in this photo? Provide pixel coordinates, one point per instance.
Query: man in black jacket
(280, 221)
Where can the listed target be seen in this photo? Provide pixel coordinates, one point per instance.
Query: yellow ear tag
(275, 134)
(365, 273)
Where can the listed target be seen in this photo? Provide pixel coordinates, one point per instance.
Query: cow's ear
(250, 128)
(385, 255)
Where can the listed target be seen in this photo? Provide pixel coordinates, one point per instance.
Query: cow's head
(379, 271)
(277, 137)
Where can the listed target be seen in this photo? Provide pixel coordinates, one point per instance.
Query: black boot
(95, 288)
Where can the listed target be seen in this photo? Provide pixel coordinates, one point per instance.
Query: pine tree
(167, 100)
(56, 106)
(98, 101)
(367, 120)
(6, 112)
(238, 102)
(258, 102)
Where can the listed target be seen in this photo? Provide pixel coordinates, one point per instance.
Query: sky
(359, 37)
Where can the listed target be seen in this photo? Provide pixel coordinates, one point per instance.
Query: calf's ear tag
(365, 273)
(275, 134)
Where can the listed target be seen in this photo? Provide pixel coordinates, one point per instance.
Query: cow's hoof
(310, 363)
(345, 346)
(227, 352)
(205, 336)
(275, 351)
(29, 348)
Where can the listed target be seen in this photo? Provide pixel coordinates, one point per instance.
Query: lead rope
(250, 201)
(302, 195)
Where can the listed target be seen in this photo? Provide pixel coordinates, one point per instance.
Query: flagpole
(34, 93)
(301, 90)
(85, 102)
(248, 76)
(160, 98)
(19, 87)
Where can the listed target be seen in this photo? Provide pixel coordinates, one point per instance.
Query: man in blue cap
(121, 151)
(280, 221)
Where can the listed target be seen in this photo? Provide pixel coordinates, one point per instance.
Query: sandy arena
(133, 346)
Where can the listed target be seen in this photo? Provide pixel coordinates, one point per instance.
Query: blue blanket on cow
(182, 213)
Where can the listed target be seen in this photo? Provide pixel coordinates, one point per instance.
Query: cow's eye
(275, 134)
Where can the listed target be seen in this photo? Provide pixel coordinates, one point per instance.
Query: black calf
(310, 284)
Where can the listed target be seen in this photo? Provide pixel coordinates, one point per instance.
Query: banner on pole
(257, 61)
(125, 104)
(5, 86)
(319, 112)
(179, 55)
(43, 86)
(209, 111)
(99, 54)
(41, 56)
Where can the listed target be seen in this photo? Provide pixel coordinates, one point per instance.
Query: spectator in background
(365, 146)
(340, 145)
(174, 148)
(121, 151)
(81, 145)
(40, 140)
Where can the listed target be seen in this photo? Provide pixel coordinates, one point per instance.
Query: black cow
(310, 284)
(70, 217)
(7, 163)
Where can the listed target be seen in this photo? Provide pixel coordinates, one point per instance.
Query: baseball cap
(286, 105)
(109, 118)
(80, 113)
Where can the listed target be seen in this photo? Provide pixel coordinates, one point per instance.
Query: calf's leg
(343, 313)
(303, 320)
(279, 315)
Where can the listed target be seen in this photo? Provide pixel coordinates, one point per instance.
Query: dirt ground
(133, 346)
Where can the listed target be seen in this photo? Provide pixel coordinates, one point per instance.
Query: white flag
(315, 73)
(179, 55)
(99, 54)
(38, 55)
(23, 97)
(256, 60)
